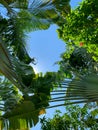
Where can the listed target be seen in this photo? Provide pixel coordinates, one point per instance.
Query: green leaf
(24, 112)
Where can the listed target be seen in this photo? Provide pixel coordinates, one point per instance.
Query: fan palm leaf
(86, 87)
(49, 10)
(44, 12)
(78, 90)
(42, 9)
(31, 22)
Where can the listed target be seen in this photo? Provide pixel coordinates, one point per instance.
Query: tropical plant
(75, 117)
(22, 110)
(80, 60)
(29, 16)
(81, 27)
(21, 17)
(34, 15)
(77, 61)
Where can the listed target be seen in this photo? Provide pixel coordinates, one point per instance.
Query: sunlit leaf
(22, 115)
(42, 111)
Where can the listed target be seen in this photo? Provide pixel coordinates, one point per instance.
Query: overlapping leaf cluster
(81, 27)
(80, 34)
(75, 117)
(80, 60)
(26, 95)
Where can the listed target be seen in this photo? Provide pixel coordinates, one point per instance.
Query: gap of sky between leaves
(47, 48)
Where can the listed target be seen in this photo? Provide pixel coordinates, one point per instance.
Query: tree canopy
(80, 60)
(24, 95)
(75, 117)
(20, 86)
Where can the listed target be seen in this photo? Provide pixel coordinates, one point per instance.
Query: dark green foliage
(9, 95)
(80, 59)
(25, 113)
(75, 117)
(80, 34)
(79, 30)
(13, 36)
(25, 109)
(77, 59)
(82, 26)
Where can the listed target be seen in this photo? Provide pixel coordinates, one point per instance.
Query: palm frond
(30, 22)
(42, 14)
(41, 5)
(77, 91)
(49, 10)
(40, 24)
(25, 113)
(7, 66)
(86, 87)
(12, 34)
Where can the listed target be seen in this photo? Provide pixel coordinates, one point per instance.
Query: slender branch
(64, 99)
(65, 104)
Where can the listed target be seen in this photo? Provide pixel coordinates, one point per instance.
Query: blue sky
(47, 48)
